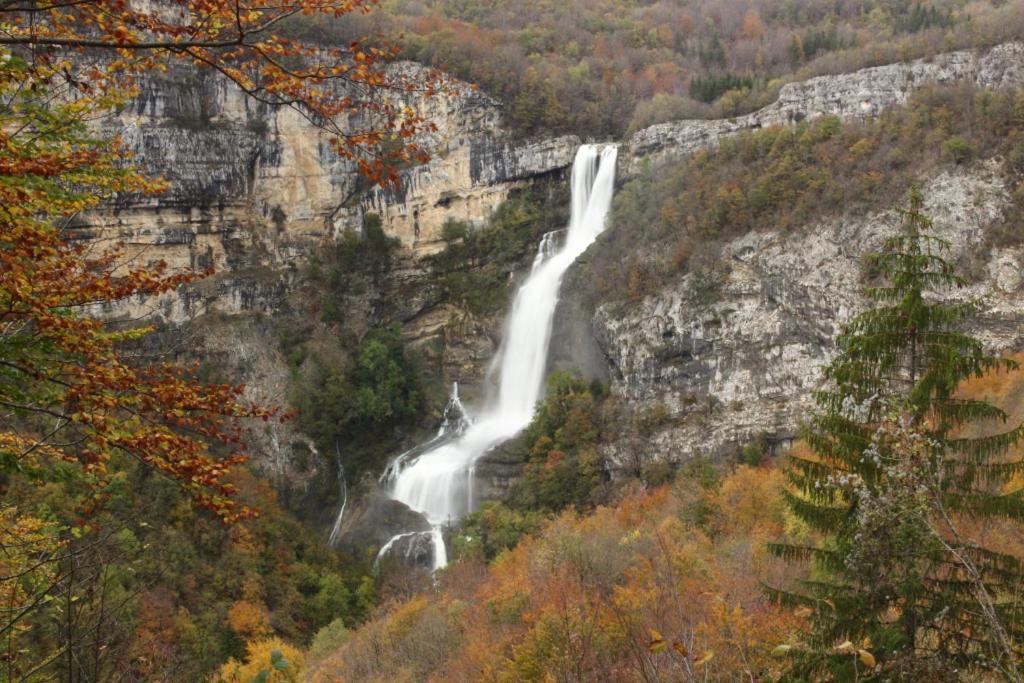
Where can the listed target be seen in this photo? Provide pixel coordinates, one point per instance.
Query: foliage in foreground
(653, 588)
(94, 441)
(892, 482)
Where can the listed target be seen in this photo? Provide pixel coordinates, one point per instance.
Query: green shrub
(563, 466)
(328, 639)
(958, 149)
(473, 270)
(492, 530)
(356, 411)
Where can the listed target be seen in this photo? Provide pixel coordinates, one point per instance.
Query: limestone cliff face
(472, 177)
(859, 94)
(744, 361)
(252, 188)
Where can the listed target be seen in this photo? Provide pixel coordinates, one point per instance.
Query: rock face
(467, 182)
(744, 361)
(859, 94)
(377, 520)
(252, 189)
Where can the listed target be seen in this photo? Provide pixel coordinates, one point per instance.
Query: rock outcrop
(254, 190)
(860, 94)
(744, 361)
(378, 519)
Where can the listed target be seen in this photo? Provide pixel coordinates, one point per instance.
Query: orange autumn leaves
(338, 87)
(640, 592)
(69, 396)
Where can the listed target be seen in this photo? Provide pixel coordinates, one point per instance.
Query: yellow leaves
(249, 619)
(271, 660)
(781, 650)
(657, 643)
(845, 648)
(863, 656)
(630, 538)
(891, 615)
(707, 657)
(29, 552)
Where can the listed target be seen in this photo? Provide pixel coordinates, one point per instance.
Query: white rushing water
(438, 482)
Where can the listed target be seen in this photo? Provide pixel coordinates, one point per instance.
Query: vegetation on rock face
(893, 485)
(785, 178)
(562, 468)
(474, 269)
(356, 263)
(356, 414)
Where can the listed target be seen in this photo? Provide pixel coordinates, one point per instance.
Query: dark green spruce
(898, 462)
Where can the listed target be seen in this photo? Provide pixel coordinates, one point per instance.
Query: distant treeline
(603, 68)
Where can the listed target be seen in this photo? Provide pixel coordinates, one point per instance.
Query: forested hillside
(663, 580)
(399, 378)
(600, 68)
(885, 544)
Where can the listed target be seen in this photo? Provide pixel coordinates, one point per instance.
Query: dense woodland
(601, 68)
(137, 543)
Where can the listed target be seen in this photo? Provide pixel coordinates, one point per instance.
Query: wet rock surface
(376, 520)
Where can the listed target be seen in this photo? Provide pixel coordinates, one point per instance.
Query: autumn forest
(480, 340)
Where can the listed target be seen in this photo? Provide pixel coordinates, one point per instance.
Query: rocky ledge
(860, 94)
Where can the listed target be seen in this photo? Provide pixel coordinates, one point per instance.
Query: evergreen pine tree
(891, 477)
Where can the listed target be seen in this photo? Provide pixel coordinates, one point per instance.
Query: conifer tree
(892, 478)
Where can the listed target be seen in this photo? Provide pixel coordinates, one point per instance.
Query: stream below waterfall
(436, 478)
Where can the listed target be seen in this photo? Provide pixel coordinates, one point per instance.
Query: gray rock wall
(745, 361)
(860, 94)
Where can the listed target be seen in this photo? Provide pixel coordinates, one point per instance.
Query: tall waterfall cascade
(436, 478)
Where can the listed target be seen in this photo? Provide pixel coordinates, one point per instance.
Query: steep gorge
(257, 193)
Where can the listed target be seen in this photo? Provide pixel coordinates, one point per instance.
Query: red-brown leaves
(68, 394)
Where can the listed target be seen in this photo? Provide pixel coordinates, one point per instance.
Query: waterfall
(336, 529)
(436, 479)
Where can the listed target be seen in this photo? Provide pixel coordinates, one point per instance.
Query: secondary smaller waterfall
(336, 529)
(435, 478)
(455, 417)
